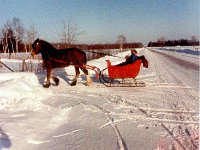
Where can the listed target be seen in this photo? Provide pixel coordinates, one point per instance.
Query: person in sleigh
(133, 57)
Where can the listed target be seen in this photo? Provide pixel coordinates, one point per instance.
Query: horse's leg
(76, 77)
(89, 80)
(47, 84)
(56, 80)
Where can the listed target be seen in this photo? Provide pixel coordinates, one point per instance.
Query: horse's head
(36, 47)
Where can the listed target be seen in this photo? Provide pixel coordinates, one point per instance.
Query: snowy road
(163, 114)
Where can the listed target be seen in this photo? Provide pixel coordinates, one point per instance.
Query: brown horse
(58, 58)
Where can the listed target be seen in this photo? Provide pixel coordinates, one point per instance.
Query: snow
(162, 115)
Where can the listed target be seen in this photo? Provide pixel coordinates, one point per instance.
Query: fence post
(24, 66)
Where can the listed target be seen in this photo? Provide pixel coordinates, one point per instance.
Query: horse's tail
(82, 55)
(85, 58)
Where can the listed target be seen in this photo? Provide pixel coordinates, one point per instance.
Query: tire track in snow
(185, 64)
(144, 112)
(176, 102)
(120, 141)
(182, 132)
(149, 112)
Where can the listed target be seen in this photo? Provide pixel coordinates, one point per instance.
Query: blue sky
(103, 20)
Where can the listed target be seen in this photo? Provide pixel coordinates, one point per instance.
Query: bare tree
(121, 40)
(70, 33)
(11, 35)
(7, 38)
(18, 31)
(31, 35)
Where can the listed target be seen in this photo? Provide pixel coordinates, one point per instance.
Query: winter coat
(132, 58)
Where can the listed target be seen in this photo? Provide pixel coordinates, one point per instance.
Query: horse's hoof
(73, 84)
(46, 85)
(56, 80)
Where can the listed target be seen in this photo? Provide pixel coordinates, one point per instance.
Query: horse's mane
(47, 45)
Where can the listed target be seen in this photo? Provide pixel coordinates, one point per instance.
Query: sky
(103, 20)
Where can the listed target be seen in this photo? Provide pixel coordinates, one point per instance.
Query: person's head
(133, 51)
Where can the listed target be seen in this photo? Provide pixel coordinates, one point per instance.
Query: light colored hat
(133, 51)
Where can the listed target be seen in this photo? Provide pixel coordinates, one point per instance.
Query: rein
(57, 60)
(103, 54)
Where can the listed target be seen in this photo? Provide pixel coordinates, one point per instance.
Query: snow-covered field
(162, 115)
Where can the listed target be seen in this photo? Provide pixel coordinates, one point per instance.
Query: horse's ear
(36, 40)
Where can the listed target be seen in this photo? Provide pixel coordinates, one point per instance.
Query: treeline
(26, 48)
(181, 42)
(99, 46)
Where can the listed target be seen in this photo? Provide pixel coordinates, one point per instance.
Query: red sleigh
(111, 75)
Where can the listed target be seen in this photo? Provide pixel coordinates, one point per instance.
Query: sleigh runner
(121, 76)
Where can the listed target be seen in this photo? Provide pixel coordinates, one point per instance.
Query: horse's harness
(94, 68)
